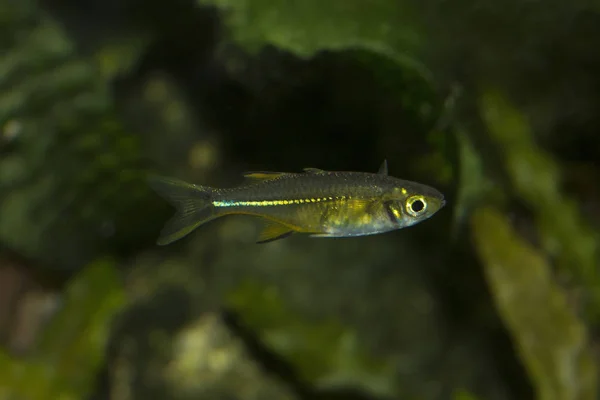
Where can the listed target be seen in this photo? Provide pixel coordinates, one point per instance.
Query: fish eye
(416, 205)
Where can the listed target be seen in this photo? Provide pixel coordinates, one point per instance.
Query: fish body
(317, 202)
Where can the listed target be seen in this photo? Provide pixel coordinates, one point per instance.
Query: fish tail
(193, 204)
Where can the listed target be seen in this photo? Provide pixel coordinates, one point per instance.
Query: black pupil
(417, 206)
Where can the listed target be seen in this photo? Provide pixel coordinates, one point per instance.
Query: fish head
(413, 202)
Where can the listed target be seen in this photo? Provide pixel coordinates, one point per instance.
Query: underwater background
(494, 103)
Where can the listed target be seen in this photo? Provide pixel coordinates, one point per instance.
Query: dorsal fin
(258, 176)
(314, 170)
(383, 169)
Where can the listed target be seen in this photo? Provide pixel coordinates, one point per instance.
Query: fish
(324, 204)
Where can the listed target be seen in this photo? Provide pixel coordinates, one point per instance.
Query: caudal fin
(193, 204)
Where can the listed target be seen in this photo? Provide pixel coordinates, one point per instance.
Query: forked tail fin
(193, 204)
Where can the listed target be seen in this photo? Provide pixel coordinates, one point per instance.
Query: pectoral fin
(274, 231)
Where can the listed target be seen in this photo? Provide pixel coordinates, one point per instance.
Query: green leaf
(66, 361)
(549, 337)
(306, 27)
(536, 179)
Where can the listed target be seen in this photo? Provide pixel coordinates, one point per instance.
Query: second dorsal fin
(314, 170)
(258, 176)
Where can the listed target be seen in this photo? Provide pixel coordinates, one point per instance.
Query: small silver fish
(321, 203)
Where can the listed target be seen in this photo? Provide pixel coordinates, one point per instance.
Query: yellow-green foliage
(322, 351)
(551, 340)
(65, 363)
(536, 179)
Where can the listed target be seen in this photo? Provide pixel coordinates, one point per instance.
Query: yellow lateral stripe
(265, 203)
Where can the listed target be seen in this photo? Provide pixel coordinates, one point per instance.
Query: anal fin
(339, 235)
(274, 231)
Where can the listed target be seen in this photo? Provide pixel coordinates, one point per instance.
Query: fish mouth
(443, 203)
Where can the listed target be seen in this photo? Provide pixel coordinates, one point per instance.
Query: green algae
(550, 339)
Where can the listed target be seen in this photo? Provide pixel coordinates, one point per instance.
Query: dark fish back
(309, 185)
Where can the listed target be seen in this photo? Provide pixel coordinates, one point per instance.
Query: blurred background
(494, 103)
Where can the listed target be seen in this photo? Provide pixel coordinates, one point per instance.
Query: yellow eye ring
(416, 205)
